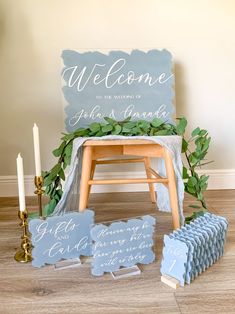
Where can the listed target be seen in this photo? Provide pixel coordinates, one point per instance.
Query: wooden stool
(94, 150)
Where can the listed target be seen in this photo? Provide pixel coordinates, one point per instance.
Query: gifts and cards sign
(61, 237)
(122, 244)
(117, 85)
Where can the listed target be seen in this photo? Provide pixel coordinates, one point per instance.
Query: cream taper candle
(20, 175)
(36, 150)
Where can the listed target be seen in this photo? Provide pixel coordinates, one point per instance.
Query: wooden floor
(24, 289)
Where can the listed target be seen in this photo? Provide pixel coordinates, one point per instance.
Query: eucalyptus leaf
(129, 125)
(45, 174)
(200, 196)
(107, 128)
(61, 174)
(55, 170)
(195, 132)
(157, 122)
(95, 127)
(161, 132)
(49, 208)
(117, 129)
(191, 190)
(125, 130)
(180, 128)
(80, 132)
(206, 145)
(143, 124)
(48, 189)
(110, 121)
(184, 145)
(204, 178)
(49, 180)
(67, 159)
(194, 206)
(60, 192)
(68, 137)
(188, 220)
(203, 132)
(185, 173)
(192, 181)
(135, 131)
(68, 149)
(57, 152)
(126, 120)
(100, 133)
(193, 159)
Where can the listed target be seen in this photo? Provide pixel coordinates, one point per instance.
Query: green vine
(195, 150)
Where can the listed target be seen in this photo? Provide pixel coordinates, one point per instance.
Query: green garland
(195, 150)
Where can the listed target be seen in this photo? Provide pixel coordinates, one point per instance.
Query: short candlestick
(24, 254)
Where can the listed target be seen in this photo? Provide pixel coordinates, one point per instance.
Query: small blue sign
(175, 255)
(61, 237)
(117, 85)
(122, 244)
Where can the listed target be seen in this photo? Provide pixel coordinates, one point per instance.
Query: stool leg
(93, 165)
(147, 165)
(85, 176)
(172, 189)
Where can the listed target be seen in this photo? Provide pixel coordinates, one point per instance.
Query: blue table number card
(122, 244)
(61, 237)
(175, 255)
(118, 85)
(189, 251)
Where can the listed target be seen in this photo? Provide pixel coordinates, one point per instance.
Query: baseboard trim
(220, 179)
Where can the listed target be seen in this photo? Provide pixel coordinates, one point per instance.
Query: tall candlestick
(36, 150)
(20, 175)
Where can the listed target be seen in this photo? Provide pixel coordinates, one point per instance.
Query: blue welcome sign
(122, 244)
(117, 85)
(61, 237)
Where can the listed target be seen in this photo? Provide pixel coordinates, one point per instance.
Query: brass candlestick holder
(38, 181)
(24, 255)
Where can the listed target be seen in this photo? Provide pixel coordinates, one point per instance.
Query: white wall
(200, 35)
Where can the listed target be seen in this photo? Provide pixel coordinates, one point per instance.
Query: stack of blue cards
(189, 251)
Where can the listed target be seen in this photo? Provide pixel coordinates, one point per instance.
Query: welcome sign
(61, 237)
(117, 85)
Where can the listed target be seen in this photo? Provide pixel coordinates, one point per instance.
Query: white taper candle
(20, 175)
(36, 150)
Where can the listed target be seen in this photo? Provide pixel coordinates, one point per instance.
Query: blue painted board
(122, 244)
(61, 237)
(118, 85)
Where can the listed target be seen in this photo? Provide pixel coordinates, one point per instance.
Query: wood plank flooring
(24, 289)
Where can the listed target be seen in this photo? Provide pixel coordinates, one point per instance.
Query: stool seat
(95, 150)
(117, 142)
